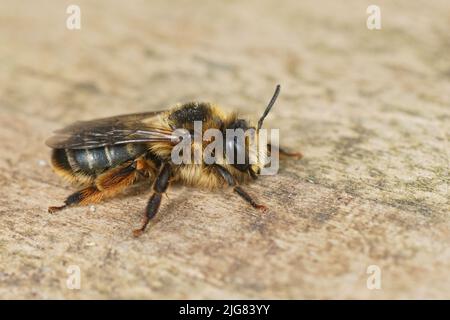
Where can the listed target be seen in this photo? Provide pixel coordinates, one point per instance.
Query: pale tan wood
(369, 109)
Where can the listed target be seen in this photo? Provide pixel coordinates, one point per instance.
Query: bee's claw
(262, 207)
(138, 232)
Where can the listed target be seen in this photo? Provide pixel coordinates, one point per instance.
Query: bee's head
(240, 146)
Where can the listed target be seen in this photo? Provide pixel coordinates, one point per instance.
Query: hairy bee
(107, 155)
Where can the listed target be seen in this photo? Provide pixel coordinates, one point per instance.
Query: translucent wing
(130, 128)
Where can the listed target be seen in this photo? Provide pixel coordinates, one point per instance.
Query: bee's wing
(130, 128)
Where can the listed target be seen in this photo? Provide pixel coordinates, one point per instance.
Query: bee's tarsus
(296, 155)
(55, 208)
(244, 195)
(261, 207)
(229, 179)
(284, 153)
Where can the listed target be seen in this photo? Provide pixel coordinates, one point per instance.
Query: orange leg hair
(106, 185)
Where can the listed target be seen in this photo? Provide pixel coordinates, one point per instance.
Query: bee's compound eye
(239, 159)
(237, 146)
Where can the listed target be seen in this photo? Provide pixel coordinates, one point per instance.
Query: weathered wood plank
(369, 109)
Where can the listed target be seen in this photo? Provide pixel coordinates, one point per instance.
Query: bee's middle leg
(159, 187)
(228, 177)
(107, 184)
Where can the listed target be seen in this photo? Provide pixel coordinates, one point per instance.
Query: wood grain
(369, 110)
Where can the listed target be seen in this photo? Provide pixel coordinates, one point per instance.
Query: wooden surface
(369, 109)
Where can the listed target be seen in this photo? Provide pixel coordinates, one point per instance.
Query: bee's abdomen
(95, 161)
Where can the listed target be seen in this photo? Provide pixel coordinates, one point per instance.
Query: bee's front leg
(85, 196)
(159, 187)
(283, 153)
(244, 195)
(228, 177)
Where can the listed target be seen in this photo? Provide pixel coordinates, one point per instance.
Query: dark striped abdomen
(97, 160)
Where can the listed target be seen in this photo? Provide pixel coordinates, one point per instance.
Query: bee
(105, 156)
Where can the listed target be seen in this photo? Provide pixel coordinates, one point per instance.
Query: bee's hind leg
(159, 187)
(84, 196)
(105, 185)
(227, 176)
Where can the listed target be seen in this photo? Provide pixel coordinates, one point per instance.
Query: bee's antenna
(269, 106)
